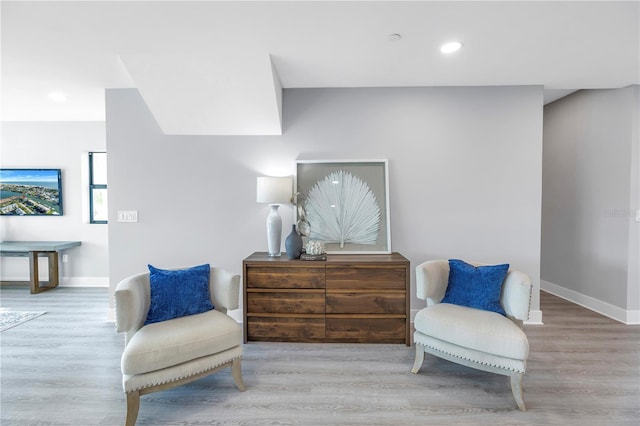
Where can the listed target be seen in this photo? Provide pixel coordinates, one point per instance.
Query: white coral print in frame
(346, 203)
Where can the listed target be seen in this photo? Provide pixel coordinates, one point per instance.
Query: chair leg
(133, 405)
(419, 358)
(236, 372)
(516, 389)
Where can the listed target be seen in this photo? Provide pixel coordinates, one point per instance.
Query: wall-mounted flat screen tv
(30, 192)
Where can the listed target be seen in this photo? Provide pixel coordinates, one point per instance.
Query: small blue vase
(293, 244)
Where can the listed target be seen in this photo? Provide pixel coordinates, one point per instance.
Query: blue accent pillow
(177, 293)
(475, 286)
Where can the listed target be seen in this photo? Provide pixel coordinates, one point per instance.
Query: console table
(347, 298)
(34, 249)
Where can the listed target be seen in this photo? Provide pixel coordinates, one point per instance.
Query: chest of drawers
(347, 298)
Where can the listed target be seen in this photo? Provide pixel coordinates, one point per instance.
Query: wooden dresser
(347, 298)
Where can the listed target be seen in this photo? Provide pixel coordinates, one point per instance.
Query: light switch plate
(127, 215)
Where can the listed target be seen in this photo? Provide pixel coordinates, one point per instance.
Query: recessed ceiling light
(394, 37)
(450, 47)
(58, 97)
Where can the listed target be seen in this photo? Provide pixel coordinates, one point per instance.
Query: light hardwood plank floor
(63, 368)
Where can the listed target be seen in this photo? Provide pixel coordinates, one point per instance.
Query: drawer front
(285, 329)
(366, 303)
(286, 302)
(269, 277)
(365, 330)
(365, 278)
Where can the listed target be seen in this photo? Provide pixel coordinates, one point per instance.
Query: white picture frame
(368, 175)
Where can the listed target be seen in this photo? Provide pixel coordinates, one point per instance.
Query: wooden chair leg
(133, 405)
(419, 359)
(516, 389)
(236, 372)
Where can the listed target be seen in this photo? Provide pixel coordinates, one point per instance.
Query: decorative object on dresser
(301, 223)
(293, 244)
(274, 191)
(314, 250)
(346, 204)
(474, 317)
(346, 298)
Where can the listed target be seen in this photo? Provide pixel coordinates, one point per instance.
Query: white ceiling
(213, 67)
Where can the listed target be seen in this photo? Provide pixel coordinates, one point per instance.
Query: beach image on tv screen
(25, 192)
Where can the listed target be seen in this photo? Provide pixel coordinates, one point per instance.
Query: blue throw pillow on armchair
(475, 286)
(177, 293)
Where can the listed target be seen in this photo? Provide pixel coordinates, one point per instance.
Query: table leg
(53, 268)
(34, 273)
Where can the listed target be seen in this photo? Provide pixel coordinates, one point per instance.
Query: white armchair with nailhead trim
(473, 337)
(170, 353)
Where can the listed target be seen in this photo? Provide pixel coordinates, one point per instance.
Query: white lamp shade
(274, 190)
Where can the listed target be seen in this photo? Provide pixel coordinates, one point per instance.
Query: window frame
(93, 186)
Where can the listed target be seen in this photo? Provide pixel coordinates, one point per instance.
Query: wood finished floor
(63, 369)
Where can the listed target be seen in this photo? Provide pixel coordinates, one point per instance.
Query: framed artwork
(345, 203)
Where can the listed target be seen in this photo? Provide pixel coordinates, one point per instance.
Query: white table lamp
(274, 191)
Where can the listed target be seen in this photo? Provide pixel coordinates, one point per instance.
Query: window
(98, 187)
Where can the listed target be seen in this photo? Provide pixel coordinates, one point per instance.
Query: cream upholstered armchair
(169, 353)
(477, 338)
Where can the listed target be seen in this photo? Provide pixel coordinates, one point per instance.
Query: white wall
(590, 194)
(60, 145)
(465, 175)
(633, 282)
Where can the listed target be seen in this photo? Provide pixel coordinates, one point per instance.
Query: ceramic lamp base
(274, 231)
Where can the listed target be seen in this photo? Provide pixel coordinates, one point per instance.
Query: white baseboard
(84, 281)
(71, 281)
(628, 317)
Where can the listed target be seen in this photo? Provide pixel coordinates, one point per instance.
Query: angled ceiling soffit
(209, 94)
